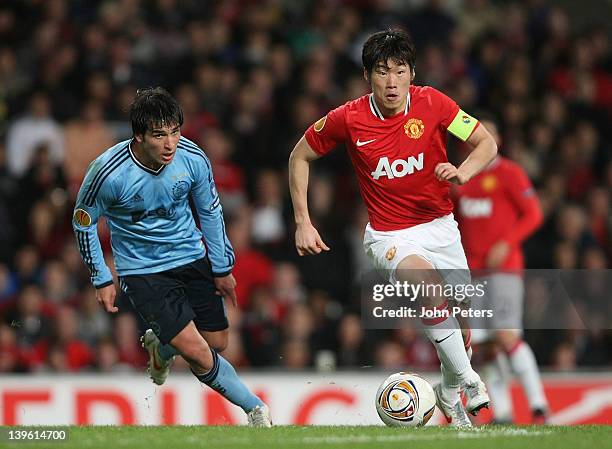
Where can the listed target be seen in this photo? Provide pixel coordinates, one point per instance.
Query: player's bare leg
(445, 334)
(213, 370)
(217, 340)
(161, 356)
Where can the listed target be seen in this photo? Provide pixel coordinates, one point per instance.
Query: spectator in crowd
(85, 137)
(62, 351)
(29, 131)
(351, 348)
(94, 323)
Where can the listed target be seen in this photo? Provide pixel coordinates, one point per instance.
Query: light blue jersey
(151, 224)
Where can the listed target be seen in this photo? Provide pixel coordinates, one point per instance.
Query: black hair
(392, 44)
(154, 107)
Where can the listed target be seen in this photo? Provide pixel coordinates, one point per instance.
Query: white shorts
(504, 296)
(437, 241)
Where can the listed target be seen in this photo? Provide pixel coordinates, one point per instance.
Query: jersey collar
(376, 112)
(494, 163)
(144, 167)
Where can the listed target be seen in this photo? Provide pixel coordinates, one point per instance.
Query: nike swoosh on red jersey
(359, 143)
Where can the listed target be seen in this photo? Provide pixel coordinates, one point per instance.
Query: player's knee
(487, 350)
(219, 345)
(217, 340)
(195, 351)
(417, 270)
(414, 262)
(507, 339)
(200, 358)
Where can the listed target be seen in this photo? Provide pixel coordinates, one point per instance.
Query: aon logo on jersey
(475, 207)
(398, 168)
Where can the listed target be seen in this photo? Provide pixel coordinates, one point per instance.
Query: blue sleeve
(91, 202)
(210, 212)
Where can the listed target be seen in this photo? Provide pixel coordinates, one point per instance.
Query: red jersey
(395, 157)
(497, 204)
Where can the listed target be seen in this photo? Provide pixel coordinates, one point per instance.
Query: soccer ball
(405, 399)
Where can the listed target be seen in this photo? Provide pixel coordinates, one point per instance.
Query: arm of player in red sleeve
(319, 139)
(525, 200)
(307, 238)
(466, 128)
(327, 132)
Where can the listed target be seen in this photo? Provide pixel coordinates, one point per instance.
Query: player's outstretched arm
(307, 238)
(484, 150)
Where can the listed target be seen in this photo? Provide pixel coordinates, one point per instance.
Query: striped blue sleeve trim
(85, 250)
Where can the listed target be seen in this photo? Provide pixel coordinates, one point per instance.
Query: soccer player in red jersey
(496, 212)
(396, 137)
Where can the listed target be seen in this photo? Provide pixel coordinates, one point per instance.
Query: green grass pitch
(315, 437)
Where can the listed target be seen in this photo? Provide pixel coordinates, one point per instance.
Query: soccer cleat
(455, 414)
(477, 397)
(539, 416)
(157, 367)
(260, 417)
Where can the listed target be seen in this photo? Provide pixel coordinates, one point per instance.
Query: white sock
(450, 385)
(524, 365)
(496, 375)
(446, 337)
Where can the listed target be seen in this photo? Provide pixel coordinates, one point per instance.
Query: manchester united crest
(414, 128)
(489, 183)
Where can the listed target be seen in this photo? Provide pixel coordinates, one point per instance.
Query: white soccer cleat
(455, 414)
(260, 417)
(477, 397)
(157, 367)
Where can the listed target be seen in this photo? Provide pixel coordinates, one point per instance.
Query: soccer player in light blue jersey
(175, 282)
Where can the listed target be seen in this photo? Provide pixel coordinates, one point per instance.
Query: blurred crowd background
(251, 77)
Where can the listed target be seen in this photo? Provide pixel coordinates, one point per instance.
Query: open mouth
(391, 97)
(167, 157)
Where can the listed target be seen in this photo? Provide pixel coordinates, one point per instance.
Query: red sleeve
(446, 107)
(523, 195)
(327, 132)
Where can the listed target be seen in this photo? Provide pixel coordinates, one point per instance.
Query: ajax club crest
(414, 128)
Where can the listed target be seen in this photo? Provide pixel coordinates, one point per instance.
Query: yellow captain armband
(462, 125)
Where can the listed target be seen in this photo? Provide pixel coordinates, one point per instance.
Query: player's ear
(412, 74)
(139, 138)
(366, 75)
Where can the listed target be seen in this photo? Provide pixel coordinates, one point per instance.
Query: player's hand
(445, 171)
(226, 287)
(497, 254)
(106, 297)
(308, 242)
